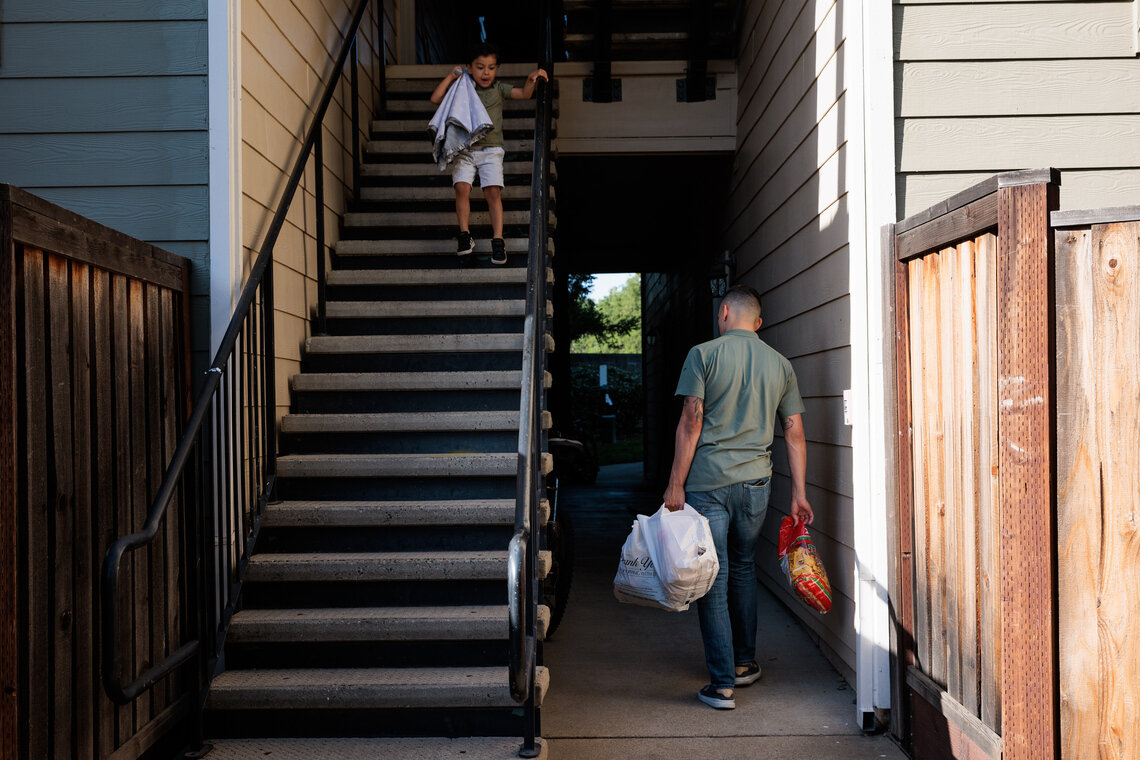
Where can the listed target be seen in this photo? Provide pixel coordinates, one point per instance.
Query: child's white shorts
(486, 162)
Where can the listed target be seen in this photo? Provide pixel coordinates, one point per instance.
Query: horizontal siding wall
(103, 110)
(788, 229)
(985, 87)
(288, 51)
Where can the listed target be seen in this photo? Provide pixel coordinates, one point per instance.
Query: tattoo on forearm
(696, 407)
(788, 423)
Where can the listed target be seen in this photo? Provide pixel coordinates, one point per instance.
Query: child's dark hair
(480, 49)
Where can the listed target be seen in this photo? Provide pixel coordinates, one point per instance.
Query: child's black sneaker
(498, 251)
(466, 243)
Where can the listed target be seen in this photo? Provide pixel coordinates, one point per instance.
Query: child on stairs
(484, 157)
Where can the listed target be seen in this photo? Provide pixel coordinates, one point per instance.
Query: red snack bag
(802, 565)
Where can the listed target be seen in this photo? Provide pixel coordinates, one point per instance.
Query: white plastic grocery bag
(636, 581)
(680, 550)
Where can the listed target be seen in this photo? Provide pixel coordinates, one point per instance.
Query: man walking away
(734, 387)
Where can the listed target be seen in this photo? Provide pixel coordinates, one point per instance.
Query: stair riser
(385, 539)
(346, 489)
(425, 722)
(373, 594)
(443, 230)
(513, 153)
(315, 402)
(399, 443)
(424, 326)
(413, 363)
(373, 654)
(474, 291)
(442, 205)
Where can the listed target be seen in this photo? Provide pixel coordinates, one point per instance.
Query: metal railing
(224, 468)
(522, 557)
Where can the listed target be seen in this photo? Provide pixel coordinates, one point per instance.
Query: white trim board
(224, 39)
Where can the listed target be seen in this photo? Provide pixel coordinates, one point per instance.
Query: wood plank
(155, 467)
(37, 566)
(1086, 217)
(1006, 143)
(1079, 496)
(1044, 88)
(935, 372)
(86, 574)
(950, 444)
(10, 575)
(173, 364)
(41, 224)
(1116, 294)
(110, 104)
(1026, 497)
(967, 474)
(102, 309)
(136, 371)
(62, 502)
(959, 224)
(123, 491)
(1007, 31)
(989, 526)
(919, 442)
(901, 528)
(112, 49)
(137, 745)
(112, 158)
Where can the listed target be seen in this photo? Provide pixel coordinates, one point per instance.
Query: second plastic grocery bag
(668, 560)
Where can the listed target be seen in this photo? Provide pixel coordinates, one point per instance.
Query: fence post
(1029, 697)
(8, 633)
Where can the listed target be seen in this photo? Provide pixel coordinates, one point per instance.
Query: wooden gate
(973, 381)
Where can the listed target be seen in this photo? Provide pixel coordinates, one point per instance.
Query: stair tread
(424, 146)
(420, 344)
(434, 218)
(439, 193)
(377, 422)
(420, 126)
(417, 381)
(341, 688)
(403, 748)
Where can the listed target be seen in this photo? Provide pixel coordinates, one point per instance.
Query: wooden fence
(93, 363)
(1018, 388)
(1098, 481)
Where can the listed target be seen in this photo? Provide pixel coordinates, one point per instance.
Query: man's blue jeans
(728, 611)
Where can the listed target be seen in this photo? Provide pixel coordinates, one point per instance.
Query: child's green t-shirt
(493, 98)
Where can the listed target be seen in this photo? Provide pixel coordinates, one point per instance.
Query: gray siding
(788, 229)
(103, 110)
(989, 87)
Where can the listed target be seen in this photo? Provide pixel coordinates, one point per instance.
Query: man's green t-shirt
(744, 383)
(492, 98)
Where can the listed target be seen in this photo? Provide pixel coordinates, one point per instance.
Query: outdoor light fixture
(721, 276)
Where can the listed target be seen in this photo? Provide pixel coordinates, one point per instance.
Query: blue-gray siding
(103, 110)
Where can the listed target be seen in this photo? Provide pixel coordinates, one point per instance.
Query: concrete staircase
(373, 620)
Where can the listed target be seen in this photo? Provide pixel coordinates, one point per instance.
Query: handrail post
(319, 191)
(270, 482)
(354, 78)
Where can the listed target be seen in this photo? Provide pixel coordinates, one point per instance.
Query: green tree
(620, 312)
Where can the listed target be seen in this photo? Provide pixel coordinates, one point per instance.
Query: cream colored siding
(788, 228)
(288, 51)
(990, 87)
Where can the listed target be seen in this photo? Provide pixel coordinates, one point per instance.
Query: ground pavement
(625, 678)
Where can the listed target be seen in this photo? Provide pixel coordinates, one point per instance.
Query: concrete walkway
(624, 678)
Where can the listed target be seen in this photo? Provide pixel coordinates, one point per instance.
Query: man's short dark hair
(744, 296)
(480, 49)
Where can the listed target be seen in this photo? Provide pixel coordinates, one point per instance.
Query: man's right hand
(802, 511)
(674, 498)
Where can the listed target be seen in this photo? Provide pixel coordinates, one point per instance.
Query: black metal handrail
(245, 431)
(522, 555)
